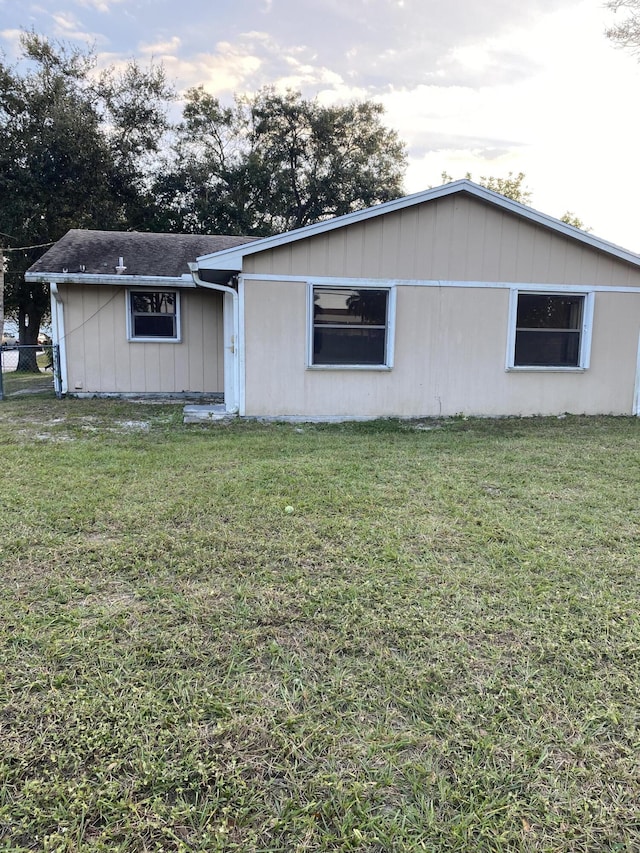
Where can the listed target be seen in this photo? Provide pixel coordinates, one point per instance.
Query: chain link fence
(28, 370)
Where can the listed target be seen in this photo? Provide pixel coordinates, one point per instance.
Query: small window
(551, 330)
(153, 315)
(350, 327)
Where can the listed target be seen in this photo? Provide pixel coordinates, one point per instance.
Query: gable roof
(231, 258)
(97, 253)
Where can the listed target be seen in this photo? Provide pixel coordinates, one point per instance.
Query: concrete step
(195, 414)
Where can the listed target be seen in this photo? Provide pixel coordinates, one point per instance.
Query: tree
(72, 155)
(627, 32)
(512, 186)
(571, 219)
(273, 162)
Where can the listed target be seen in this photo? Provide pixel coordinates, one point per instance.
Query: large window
(551, 330)
(350, 327)
(153, 315)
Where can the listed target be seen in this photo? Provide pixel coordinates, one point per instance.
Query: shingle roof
(98, 252)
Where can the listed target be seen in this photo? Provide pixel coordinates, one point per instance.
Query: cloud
(98, 5)
(225, 71)
(67, 26)
(162, 49)
(374, 41)
(12, 37)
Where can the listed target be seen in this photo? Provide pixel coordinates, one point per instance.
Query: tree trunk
(29, 328)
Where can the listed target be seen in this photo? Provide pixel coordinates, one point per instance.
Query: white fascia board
(123, 280)
(231, 259)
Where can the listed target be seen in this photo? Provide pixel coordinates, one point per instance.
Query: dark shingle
(143, 253)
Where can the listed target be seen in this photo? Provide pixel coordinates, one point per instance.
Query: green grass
(437, 650)
(25, 383)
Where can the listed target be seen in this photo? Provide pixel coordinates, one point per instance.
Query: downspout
(231, 349)
(57, 324)
(636, 391)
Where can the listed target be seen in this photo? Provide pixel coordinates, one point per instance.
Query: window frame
(586, 329)
(389, 343)
(152, 339)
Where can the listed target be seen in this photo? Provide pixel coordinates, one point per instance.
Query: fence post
(1, 379)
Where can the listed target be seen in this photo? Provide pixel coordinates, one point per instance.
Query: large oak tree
(274, 161)
(79, 149)
(74, 153)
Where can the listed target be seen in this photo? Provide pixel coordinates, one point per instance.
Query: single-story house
(455, 300)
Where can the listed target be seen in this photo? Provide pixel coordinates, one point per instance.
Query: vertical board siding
(450, 342)
(453, 238)
(100, 360)
(449, 359)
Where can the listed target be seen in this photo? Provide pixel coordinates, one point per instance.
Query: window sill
(154, 340)
(385, 368)
(541, 368)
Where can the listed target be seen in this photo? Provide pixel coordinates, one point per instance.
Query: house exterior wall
(455, 238)
(450, 352)
(450, 341)
(101, 360)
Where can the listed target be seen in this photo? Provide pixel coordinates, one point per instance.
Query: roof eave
(97, 278)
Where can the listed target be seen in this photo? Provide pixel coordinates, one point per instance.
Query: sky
(485, 88)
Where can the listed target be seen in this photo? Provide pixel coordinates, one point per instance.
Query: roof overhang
(112, 280)
(231, 260)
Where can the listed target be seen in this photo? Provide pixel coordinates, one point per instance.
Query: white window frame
(586, 329)
(152, 339)
(389, 327)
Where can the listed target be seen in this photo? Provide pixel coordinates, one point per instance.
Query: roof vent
(121, 267)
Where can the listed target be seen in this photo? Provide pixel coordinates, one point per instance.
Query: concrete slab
(195, 414)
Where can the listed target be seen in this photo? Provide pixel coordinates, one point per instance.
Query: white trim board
(118, 280)
(586, 332)
(155, 339)
(402, 282)
(636, 390)
(390, 332)
(242, 385)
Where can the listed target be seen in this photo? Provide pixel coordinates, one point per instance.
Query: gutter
(231, 338)
(119, 280)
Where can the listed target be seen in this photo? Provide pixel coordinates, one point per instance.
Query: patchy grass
(438, 649)
(25, 383)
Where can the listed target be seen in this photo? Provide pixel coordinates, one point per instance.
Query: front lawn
(437, 649)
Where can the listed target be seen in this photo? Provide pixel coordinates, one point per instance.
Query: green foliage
(437, 650)
(72, 154)
(512, 186)
(273, 162)
(571, 219)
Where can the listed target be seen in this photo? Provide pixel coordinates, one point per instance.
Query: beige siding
(101, 360)
(450, 342)
(450, 357)
(456, 238)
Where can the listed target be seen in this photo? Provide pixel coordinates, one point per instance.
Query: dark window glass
(158, 326)
(153, 314)
(350, 307)
(348, 346)
(349, 325)
(548, 330)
